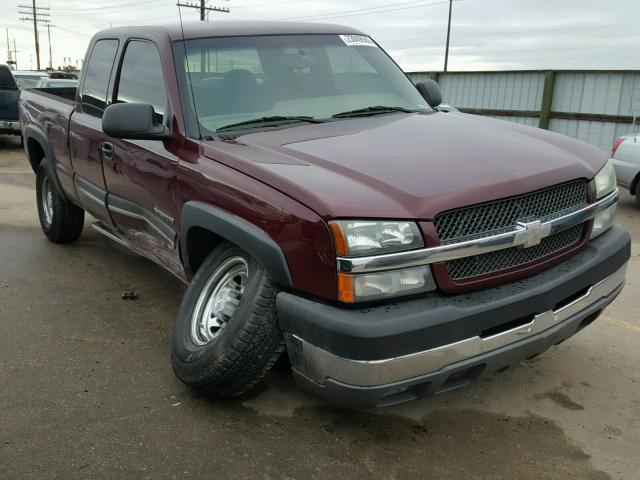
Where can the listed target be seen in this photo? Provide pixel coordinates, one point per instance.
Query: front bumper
(10, 127)
(402, 351)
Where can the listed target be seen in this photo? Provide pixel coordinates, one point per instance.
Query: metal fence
(593, 106)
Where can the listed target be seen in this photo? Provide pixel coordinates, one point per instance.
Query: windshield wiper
(269, 121)
(369, 111)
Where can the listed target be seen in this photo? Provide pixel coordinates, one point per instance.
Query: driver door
(141, 175)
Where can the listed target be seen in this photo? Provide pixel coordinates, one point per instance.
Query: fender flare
(34, 132)
(237, 231)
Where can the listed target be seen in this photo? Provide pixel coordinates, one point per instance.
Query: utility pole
(49, 35)
(9, 59)
(446, 52)
(15, 53)
(203, 8)
(36, 15)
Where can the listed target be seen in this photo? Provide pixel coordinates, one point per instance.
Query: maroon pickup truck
(316, 202)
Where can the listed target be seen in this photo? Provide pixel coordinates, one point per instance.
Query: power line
(361, 9)
(106, 7)
(82, 34)
(521, 50)
(518, 32)
(261, 5)
(128, 9)
(133, 22)
(373, 10)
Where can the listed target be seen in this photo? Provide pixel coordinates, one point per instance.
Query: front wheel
(61, 221)
(226, 336)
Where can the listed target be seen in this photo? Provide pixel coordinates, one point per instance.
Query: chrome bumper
(318, 365)
(10, 125)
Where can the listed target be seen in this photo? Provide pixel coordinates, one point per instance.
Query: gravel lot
(87, 389)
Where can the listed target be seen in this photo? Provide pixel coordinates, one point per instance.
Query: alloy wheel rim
(47, 201)
(219, 300)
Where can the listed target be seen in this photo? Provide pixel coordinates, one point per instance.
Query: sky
(485, 34)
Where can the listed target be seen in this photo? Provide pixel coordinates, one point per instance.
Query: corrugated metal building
(593, 106)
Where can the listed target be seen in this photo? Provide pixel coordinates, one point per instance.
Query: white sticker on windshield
(357, 40)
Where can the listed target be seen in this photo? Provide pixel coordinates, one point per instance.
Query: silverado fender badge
(163, 215)
(531, 234)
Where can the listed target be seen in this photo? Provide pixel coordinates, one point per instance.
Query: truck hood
(406, 165)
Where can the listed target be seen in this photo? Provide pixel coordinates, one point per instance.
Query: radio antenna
(186, 62)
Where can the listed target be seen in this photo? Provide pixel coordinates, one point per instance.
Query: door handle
(107, 151)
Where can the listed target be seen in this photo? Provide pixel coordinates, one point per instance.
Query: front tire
(61, 221)
(226, 336)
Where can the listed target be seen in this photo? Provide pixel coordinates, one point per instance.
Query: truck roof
(231, 29)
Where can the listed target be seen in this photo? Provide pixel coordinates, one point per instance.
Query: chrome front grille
(502, 216)
(469, 267)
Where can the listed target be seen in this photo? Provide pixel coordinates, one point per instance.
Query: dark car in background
(9, 97)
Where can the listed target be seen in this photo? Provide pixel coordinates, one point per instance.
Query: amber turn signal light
(339, 238)
(345, 288)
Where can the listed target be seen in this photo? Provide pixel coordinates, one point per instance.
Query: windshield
(238, 79)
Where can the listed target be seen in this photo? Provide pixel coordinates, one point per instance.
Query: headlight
(605, 183)
(356, 238)
(605, 180)
(377, 285)
(603, 221)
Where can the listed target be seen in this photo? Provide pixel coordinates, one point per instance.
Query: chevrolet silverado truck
(315, 201)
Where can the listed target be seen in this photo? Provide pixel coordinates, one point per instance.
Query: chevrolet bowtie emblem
(530, 234)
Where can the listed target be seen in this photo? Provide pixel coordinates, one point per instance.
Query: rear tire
(61, 221)
(226, 336)
(638, 195)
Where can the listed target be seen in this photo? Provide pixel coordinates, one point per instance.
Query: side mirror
(430, 91)
(135, 121)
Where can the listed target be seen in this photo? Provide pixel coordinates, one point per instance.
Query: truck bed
(49, 110)
(66, 94)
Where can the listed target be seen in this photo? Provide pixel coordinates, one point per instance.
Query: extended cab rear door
(141, 175)
(86, 139)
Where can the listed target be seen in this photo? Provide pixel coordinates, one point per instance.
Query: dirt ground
(87, 391)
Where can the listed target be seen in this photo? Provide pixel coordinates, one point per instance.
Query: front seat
(240, 92)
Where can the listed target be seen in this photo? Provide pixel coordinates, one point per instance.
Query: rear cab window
(96, 81)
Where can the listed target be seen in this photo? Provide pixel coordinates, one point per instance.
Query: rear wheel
(226, 335)
(61, 221)
(638, 195)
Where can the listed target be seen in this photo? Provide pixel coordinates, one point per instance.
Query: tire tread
(251, 354)
(68, 219)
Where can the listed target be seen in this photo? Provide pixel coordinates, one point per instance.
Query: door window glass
(141, 78)
(96, 81)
